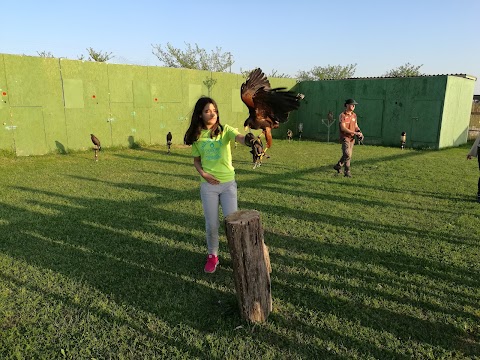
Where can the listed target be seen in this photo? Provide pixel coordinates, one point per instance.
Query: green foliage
(98, 56)
(329, 72)
(209, 83)
(104, 260)
(193, 57)
(405, 70)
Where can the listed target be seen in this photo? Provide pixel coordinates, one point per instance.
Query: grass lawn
(104, 260)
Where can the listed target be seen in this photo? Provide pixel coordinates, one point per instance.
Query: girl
(212, 158)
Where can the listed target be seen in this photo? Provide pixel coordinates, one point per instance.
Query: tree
(209, 83)
(193, 57)
(45, 54)
(97, 56)
(273, 73)
(405, 71)
(329, 72)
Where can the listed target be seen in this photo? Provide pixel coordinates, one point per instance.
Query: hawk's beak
(247, 128)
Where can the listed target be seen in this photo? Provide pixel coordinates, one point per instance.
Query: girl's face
(209, 115)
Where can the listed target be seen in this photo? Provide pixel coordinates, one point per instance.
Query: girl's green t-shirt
(215, 154)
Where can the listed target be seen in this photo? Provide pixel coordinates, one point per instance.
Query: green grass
(105, 260)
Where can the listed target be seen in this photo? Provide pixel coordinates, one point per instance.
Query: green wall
(49, 104)
(457, 107)
(54, 104)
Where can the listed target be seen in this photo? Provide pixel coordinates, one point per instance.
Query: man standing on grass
(475, 152)
(348, 129)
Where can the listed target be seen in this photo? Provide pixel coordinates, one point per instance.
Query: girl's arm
(240, 139)
(198, 165)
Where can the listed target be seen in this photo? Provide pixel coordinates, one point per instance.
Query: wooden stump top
(241, 216)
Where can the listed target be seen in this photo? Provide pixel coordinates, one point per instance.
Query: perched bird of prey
(96, 142)
(330, 117)
(289, 135)
(169, 141)
(267, 107)
(257, 152)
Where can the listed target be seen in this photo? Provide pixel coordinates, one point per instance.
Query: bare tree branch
(193, 57)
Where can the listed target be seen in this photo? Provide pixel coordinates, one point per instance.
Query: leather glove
(249, 139)
(257, 150)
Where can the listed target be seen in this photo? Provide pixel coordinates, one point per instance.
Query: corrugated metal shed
(434, 110)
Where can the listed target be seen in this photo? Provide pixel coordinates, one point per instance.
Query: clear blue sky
(286, 36)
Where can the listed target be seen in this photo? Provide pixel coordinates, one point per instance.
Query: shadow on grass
(90, 241)
(158, 270)
(175, 158)
(382, 300)
(168, 339)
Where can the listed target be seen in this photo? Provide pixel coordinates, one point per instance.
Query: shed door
(370, 117)
(426, 118)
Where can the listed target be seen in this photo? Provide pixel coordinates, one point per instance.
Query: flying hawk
(267, 107)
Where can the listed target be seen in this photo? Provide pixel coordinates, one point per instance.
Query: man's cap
(350, 101)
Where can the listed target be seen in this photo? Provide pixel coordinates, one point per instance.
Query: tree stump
(251, 264)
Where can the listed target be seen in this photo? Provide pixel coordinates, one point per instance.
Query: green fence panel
(158, 124)
(169, 110)
(73, 93)
(294, 118)
(166, 84)
(142, 96)
(141, 126)
(426, 123)
(29, 131)
(193, 83)
(121, 79)
(35, 82)
(225, 92)
(370, 118)
(122, 123)
(30, 80)
(219, 86)
(96, 91)
(6, 131)
(93, 92)
(309, 111)
(3, 88)
(169, 117)
(83, 122)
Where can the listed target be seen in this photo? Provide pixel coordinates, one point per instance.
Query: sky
(279, 36)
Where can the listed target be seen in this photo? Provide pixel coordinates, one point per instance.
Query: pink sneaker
(212, 263)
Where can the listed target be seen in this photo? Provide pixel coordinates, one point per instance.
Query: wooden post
(251, 264)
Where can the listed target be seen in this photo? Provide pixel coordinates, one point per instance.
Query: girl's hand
(211, 179)
(469, 157)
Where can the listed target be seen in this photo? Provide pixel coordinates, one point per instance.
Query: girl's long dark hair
(196, 124)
